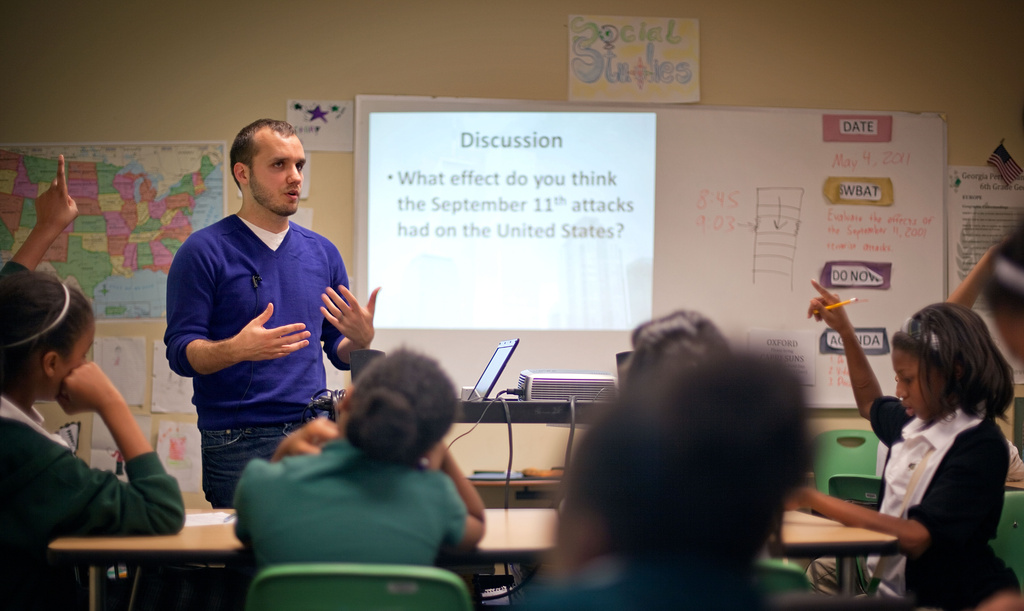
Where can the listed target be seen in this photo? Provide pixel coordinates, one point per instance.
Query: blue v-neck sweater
(221, 278)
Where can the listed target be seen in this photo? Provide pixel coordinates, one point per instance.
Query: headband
(52, 325)
(912, 327)
(1009, 275)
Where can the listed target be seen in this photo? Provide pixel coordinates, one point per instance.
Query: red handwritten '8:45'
(721, 199)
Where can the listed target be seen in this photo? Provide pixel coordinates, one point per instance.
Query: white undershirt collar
(271, 239)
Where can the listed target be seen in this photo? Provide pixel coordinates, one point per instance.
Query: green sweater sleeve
(49, 492)
(10, 267)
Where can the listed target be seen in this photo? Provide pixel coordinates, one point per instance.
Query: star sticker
(317, 113)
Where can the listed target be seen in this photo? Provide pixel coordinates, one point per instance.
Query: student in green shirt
(46, 330)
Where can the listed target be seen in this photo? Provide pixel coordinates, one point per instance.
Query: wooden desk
(513, 535)
(808, 536)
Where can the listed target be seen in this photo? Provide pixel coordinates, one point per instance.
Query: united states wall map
(137, 203)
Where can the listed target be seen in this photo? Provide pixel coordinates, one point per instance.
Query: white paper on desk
(123, 359)
(208, 518)
(103, 452)
(172, 393)
(178, 446)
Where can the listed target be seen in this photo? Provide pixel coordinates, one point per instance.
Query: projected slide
(511, 220)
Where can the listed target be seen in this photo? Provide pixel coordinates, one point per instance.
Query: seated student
(943, 479)
(384, 489)
(684, 337)
(674, 492)
(46, 330)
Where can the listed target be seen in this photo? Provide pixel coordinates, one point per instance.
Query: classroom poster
(634, 59)
(123, 359)
(322, 125)
(794, 350)
(178, 446)
(981, 210)
(172, 393)
(103, 452)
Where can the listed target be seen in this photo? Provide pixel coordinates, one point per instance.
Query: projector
(563, 384)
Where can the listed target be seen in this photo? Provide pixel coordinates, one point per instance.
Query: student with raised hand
(46, 330)
(943, 478)
(673, 493)
(55, 210)
(966, 294)
(381, 488)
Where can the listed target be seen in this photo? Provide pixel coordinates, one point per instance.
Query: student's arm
(474, 530)
(253, 343)
(55, 210)
(862, 377)
(914, 539)
(88, 389)
(967, 293)
(307, 440)
(354, 321)
(151, 501)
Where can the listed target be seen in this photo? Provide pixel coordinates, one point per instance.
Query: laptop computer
(493, 370)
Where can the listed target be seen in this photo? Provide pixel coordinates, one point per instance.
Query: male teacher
(250, 299)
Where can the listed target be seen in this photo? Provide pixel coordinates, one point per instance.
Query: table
(809, 536)
(512, 535)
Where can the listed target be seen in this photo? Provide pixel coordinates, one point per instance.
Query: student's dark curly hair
(684, 337)
(953, 341)
(243, 149)
(30, 304)
(402, 406)
(698, 460)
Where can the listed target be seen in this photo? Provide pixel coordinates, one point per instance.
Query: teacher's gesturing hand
(354, 321)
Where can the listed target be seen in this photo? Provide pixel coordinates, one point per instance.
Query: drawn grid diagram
(775, 232)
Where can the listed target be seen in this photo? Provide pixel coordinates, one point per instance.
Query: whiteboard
(723, 178)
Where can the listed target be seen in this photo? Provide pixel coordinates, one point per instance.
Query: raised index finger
(824, 293)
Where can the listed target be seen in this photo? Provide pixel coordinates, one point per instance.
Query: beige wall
(186, 70)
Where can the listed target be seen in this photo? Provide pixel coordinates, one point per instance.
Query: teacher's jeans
(225, 454)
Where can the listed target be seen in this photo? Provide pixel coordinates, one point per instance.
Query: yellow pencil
(842, 303)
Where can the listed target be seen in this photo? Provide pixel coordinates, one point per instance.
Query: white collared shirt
(919, 438)
(33, 419)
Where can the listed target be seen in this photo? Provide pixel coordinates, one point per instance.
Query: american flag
(1007, 167)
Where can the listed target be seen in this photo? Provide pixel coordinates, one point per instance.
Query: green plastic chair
(773, 576)
(844, 451)
(1009, 541)
(357, 587)
(860, 489)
